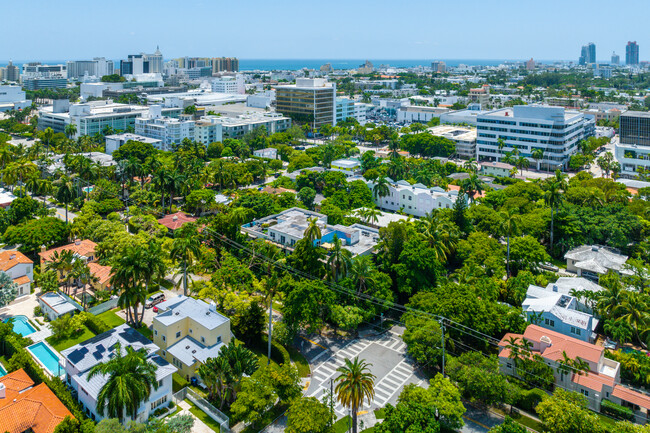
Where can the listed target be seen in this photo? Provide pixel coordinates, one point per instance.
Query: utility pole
(331, 401)
(442, 334)
(270, 327)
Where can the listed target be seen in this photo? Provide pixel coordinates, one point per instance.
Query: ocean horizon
(296, 64)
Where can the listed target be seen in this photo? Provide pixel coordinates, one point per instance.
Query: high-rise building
(632, 53)
(97, 67)
(616, 59)
(588, 54)
(438, 66)
(225, 64)
(155, 61)
(310, 100)
(633, 148)
(135, 64)
(10, 72)
(38, 70)
(530, 65)
(528, 128)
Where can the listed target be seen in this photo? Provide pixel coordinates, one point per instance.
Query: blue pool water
(2, 371)
(22, 326)
(49, 359)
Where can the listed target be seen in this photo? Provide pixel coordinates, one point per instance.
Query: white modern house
(54, 305)
(417, 200)
(267, 152)
(349, 167)
(553, 130)
(78, 360)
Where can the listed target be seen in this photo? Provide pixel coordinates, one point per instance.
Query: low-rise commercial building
(216, 128)
(467, 116)
(115, 141)
(420, 114)
(13, 98)
(288, 227)
(39, 83)
(229, 84)
(417, 200)
(310, 100)
(80, 359)
(632, 150)
(349, 167)
(188, 332)
(496, 169)
(465, 139)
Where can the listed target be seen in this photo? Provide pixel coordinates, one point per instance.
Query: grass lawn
(606, 421)
(300, 361)
(60, 345)
(341, 426)
(111, 318)
(167, 284)
(203, 417)
(522, 419)
(559, 263)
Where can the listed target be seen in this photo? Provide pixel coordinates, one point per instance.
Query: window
(158, 402)
(178, 334)
(584, 392)
(202, 339)
(164, 353)
(219, 339)
(549, 322)
(190, 330)
(508, 365)
(164, 338)
(155, 332)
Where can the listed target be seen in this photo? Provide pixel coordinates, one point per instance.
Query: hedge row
(616, 410)
(529, 399)
(95, 324)
(279, 353)
(13, 348)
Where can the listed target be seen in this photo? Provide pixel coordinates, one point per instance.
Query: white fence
(205, 406)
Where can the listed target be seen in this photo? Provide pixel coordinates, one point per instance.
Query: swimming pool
(22, 325)
(2, 371)
(47, 357)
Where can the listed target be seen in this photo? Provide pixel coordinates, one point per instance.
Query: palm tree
(355, 384)
(130, 380)
(509, 227)
(609, 299)
(440, 235)
(70, 130)
(633, 311)
(362, 272)
(472, 185)
(381, 188)
(62, 262)
(522, 162)
(553, 198)
(312, 232)
(215, 373)
(471, 166)
(47, 136)
(6, 156)
(538, 155)
(66, 191)
(128, 279)
(186, 248)
(339, 259)
(18, 171)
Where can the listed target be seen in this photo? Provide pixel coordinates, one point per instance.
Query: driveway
(148, 312)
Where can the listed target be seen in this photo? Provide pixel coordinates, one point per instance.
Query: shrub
(95, 324)
(616, 410)
(529, 399)
(38, 312)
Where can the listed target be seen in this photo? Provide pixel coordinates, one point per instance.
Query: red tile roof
(176, 220)
(593, 381)
(84, 248)
(9, 259)
(102, 273)
(27, 407)
(22, 280)
(561, 343)
(632, 396)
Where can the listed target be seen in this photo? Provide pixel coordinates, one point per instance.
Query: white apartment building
(229, 84)
(553, 130)
(168, 130)
(416, 200)
(261, 100)
(13, 98)
(92, 117)
(347, 108)
(465, 139)
(216, 128)
(97, 67)
(632, 150)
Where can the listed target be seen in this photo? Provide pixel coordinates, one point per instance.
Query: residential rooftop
(182, 307)
(57, 303)
(596, 258)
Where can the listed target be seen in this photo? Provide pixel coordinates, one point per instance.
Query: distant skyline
(421, 29)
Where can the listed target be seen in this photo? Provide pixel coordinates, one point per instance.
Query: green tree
(130, 380)
(257, 395)
(409, 417)
(509, 426)
(423, 339)
(307, 195)
(354, 384)
(308, 415)
(442, 395)
(527, 254)
(8, 289)
(567, 412)
(339, 260)
(509, 227)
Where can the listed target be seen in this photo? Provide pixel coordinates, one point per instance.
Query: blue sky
(330, 29)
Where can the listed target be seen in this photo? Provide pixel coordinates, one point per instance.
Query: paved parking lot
(389, 363)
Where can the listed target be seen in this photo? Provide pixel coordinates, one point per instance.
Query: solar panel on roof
(97, 355)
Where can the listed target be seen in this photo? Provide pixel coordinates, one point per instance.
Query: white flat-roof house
(417, 200)
(349, 167)
(54, 305)
(115, 141)
(591, 261)
(78, 360)
(267, 152)
(288, 227)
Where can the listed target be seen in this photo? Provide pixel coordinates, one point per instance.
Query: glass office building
(311, 101)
